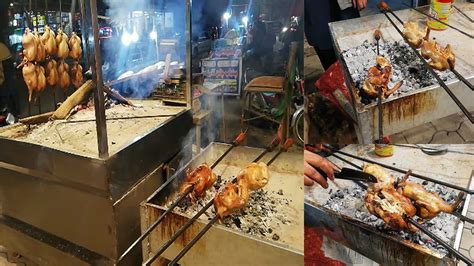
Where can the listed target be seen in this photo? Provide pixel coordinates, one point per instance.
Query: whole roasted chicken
(30, 77)
(49, 41)
(30, 45)
(76, 75)
(428, 204)
(439, 58)
(200, 179)
(75, 46)
(414, 33)
(62, 41)
(40, 50)
(378, 79)
(41, 79)
(64, 78)
(383, 201)
(233, 197)
(52, 75)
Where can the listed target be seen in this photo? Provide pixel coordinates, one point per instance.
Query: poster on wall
(222, 71)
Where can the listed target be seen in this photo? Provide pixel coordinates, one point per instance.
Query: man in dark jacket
(8, 95)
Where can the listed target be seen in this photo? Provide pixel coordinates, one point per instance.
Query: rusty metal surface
(66, 194)
(220, 242)
(416, 107)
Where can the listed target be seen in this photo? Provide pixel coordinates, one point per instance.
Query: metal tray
(221, 243)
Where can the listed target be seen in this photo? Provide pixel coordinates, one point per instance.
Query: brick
(466, 133)
(450, 123)
(444, 138)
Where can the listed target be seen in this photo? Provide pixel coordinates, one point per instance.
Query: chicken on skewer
(76, 75)
(200, 179)
(428, 204)
(378, 79)
(414, 33)
(30, 78)
(233, 197)
(439, 58)
(385, 202)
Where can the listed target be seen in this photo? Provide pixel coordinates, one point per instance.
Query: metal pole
(188, 93)
(99, 98)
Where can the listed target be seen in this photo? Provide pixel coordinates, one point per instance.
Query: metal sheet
(418, 107)
(220, 242)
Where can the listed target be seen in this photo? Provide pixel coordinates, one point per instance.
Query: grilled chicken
(383, 201)
(30, 45)
(200, 179)
(76, 75)
(379, 173)
(30, 78)
(64, 78)
(52, 75)
(233, 197)
(256, 175)
(439, 58)
(75, 46)
(41, 79)
(414, 33)
(62, 41)
(40, 51)
(428, 204)
(49, 41)
(378, 79)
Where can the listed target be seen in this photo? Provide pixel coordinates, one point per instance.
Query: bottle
(440, 9)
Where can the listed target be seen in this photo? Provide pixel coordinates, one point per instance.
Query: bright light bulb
(245, 20)
(153, 35)
(126, 38)
(285, 29)
(11, 4)
(226, 16)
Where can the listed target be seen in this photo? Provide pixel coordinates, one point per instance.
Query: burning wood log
(76, 98)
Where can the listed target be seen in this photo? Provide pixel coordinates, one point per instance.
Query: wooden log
(36, 119)
(76, 98)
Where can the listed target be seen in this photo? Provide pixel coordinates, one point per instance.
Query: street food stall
(71, 180)
(422, 91)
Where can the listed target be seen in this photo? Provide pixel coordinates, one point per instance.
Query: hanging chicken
(40, 49)
(52, 75)
(49, 41)
(75, 46)
(30, 77)
(62, 41)
(64, 78)
(41, 79)
(29, 46)
(76, 75)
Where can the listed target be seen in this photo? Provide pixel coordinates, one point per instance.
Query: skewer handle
(287, 145)
(240, 138)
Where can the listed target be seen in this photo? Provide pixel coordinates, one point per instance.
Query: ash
(258, 218)
(406, 67)
(350, 202)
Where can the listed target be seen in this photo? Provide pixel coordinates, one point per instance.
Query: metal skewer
(432, 72)
(452, 250)
(183, 195)
(284, 148)
(464, 14)
(402, 171)
(431, 17)
(462, 79)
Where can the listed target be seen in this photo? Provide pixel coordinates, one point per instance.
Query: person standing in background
(8, 95)
(318, 13)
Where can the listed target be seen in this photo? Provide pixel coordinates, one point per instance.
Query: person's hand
(313, 161)
(361, 4)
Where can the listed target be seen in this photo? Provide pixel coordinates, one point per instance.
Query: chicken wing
(428, 204)
(200, 179)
